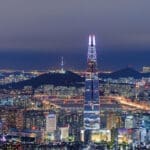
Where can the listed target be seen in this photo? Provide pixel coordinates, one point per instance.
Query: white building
(64, 133)
(129, 122)
(146, 69)
(51, 123)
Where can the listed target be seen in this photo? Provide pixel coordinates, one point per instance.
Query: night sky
(34, 34)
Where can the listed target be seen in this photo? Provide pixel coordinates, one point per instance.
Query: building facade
(51, 123)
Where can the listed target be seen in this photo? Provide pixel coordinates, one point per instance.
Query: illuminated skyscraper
(92, 103)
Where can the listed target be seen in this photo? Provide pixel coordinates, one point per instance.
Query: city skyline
(40, 110)
(110, 61)
(37, 36)
(75, 75)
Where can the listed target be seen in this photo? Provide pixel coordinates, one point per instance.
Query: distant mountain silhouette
(57, 79)
(127, 72)
(124, 73)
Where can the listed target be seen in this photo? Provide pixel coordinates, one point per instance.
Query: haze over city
(35, 34)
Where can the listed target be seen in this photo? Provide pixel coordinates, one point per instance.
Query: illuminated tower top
(62, 65)
(91, 57)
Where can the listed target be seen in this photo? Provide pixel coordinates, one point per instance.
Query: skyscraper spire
(91, 103)
(89, 39)
(92, 40)
(91, 56)
(94, 43)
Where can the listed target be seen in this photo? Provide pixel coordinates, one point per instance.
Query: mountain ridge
(124, 73)
(57, 79)
(71, 79)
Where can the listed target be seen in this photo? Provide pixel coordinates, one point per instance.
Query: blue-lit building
(91, 103)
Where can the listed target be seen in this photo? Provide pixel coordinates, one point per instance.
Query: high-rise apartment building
(130, 122)
(51, 123)
(113, 121)
(146, 69)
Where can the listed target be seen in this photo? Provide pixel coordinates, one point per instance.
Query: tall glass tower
(91, 103)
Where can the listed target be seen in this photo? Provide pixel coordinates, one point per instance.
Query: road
(139, 105)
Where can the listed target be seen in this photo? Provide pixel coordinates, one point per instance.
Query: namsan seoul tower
(92, 101)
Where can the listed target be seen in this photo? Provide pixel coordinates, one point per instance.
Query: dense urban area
(52, 115)
(75, 110)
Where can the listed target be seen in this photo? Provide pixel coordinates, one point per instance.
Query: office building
(91, 103)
